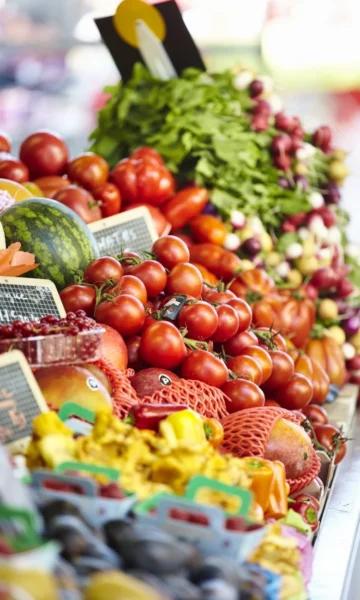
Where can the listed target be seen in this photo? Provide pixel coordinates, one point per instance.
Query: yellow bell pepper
(183, 426)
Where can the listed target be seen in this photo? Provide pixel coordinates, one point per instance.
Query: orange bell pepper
(268, 484)
(278, 498)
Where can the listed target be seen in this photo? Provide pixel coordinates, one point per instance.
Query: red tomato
(133, 350)
(153, 275)
(200, 320)
(204, 366)
(185, 279)
(79, 297)
(143, 179)
(162, 345)
(88, 170)
(242, 394)
(271, 403)
(331, 439)
(171, 251)
(219, 297)
(262, 357)
(228, 323)
(146, 152)
(51, 184)
(5, 143)
(296, 393)
(282, 370)
(162, 226)
(271, 339)
(316, 414)
(125, 313)
(80, 201)
(207, 228)
(45, 153)
(129, 284)
(109, 199)
(246, 367)
(244, 312)
(223, 263)
(12, 168)
(102, 270)
(185, 205)
(241, 340)
(113, 348)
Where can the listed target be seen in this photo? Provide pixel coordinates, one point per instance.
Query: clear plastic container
(57, 349)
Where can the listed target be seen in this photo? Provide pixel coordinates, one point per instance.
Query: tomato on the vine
(102, 270)
(204, 366)
(242, 394)
(244, 312)
(296, 393)
(246, 367)
(185, 278)
(241, 340)
(125, 313)
(129, 284)
(217, 297)
(316, 414)
(282, 369)
(152, 274)
(200, 319)
(331, 438)
(263, 358)
(228, 323)
(162, 345)
(171, 251)
(79, 297)
(271, 340)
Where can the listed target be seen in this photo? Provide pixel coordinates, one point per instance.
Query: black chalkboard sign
(20, 399)
(130, 230)
(28, 299)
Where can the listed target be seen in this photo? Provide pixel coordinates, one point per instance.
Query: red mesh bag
(246, 433)
(123, 394)
(205, 399)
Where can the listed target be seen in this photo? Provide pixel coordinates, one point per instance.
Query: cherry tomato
(51, 184)
(316, 414)
(109, 199)
(129, 284)
(200, 320)
(296, 393)
(244, 312)
(143, 179)
(204, 366)
(125, 313)
(88, 170)
(12, 168)
(133, 349)
(331, 439)
(103, 269)
(219, 297)
(228, 323)
(45, 153)
(171, 251)
(241, 340)
(242, 394)
(153, 276)
(246, 367)
(79, 297)
(262, 357)
(185, 279)
(146, 152)
(162, 226)
(162, 345)
(80, 201)
(5, 143)
(185, 205)
(282, 369)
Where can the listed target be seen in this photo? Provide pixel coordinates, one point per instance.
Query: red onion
(351, 326)
(256, 88)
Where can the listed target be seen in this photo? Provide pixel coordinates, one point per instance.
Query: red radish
(256, 88)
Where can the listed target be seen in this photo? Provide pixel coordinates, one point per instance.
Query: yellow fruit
(307, 264)
(309, 246)
(337, 334)
(338, 154)
(245, 233)
(273, 259)
(290, 444)
(338, 171)
(301, 169)
(246, 265)
(355, 341)
(294, 277)
(328, 309)
(34, 189)
(266, 242)
(118, 586)
(16, 190)
(29, 583)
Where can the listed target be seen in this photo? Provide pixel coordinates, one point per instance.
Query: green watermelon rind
(62, 243)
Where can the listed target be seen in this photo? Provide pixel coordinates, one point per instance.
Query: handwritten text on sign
(131, 230)
(28, 299)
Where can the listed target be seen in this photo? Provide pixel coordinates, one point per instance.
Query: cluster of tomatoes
(171, 319)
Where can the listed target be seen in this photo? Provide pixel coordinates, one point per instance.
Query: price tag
(28, 299)
(130, 230)
(20, 400)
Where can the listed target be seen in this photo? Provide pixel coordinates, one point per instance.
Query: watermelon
(62, 243)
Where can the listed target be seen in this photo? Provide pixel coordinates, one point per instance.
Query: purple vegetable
(251, 246)
(283, 182)
(301, 182)
(210, 209)
(332, 194)
(256, 88)
(351, 325)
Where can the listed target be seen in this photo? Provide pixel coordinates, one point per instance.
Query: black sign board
(178, 42)
(130, 230)
(28, 299)
(20, 399)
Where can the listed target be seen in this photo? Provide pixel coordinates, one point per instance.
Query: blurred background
(53, 65)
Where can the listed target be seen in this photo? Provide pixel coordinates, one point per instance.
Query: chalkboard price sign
(20, 400)
(28, 299)
(130, 230)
